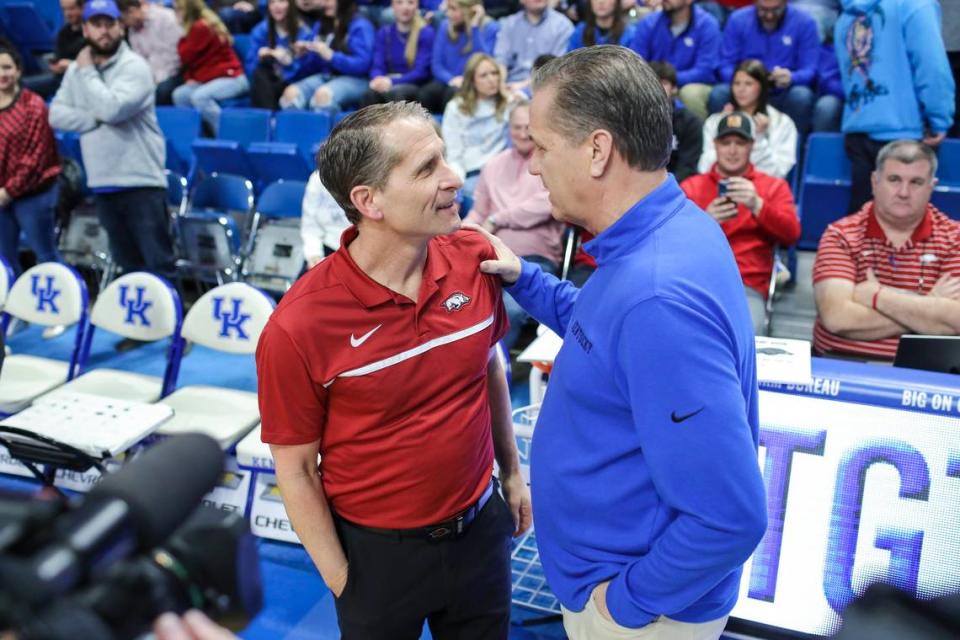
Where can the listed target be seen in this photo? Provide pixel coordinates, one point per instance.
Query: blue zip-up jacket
(900, 83)
(355, 60)
(694, 53)
(389, 58)
(449, 60)
(793, 45)
(259, 38)
(828, 72)
(644, 458)
(576, 38)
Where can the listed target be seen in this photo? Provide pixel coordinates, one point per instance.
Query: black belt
(450, 529)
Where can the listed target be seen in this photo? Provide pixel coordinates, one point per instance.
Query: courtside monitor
(931, 353)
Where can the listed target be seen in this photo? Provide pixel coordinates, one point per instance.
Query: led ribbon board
(856, 493)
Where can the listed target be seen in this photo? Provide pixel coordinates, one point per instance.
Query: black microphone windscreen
(165, 484)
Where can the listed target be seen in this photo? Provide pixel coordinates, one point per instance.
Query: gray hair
(355, 153)
(907, 152)
(612, 88)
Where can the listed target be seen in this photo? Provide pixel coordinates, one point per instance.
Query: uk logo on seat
(46, 297)
(232, 322)
(136, 306)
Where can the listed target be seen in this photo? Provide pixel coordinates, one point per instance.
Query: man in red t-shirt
(755, 210)
(380, 360)
(891, 268)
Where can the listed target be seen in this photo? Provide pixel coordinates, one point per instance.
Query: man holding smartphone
(755, 210)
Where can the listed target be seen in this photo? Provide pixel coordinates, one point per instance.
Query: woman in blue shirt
(401, 56)
(467, 30)
(270, 62)
(336, 60)
(604, 22)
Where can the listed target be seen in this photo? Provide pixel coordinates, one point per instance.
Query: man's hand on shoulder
(507, 265)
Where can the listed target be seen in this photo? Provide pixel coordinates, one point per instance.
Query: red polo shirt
(856, 243)
(752, 237)
(396, 391)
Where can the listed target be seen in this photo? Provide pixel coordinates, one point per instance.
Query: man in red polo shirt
(893, 267)
(379, 360)
(755, 210)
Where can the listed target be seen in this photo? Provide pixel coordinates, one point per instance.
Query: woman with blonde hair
(211, 70)
(466, 30)
(476, 121)
(401, 56)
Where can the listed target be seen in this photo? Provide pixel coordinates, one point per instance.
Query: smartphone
(722, 187)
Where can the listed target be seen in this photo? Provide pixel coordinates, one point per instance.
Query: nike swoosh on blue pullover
(667, 511)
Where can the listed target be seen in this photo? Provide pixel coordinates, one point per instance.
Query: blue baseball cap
(100, 8)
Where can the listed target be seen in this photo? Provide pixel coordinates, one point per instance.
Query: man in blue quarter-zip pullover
(648, 496)
(896, 78)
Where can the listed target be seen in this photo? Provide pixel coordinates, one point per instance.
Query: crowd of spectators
(747, 77)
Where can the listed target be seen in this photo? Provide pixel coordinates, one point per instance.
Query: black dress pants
(460, 586)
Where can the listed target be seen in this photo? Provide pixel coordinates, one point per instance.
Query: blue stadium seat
(305, 129)
(824, 186)
(274, 161)
(180, 126)
(227, 153)
(213, 231)
(26, 27)
(241, 45)
(245, 125)
(68, 144)
(223, 156)
(274, 257)
(282, 199)
(223, 192)
(946, 196)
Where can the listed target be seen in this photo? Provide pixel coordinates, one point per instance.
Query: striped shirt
(856, 243)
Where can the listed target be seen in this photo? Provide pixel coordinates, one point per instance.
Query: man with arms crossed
(648, 494)
(891, 268)
(380, 360)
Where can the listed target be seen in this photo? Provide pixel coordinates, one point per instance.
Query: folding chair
(275, 253)
(228, 318)
(213, 230)
(48, 294)
(143, 307)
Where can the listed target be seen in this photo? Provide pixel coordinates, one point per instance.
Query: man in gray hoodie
(107, 95)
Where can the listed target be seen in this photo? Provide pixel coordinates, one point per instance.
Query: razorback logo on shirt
(456, 302)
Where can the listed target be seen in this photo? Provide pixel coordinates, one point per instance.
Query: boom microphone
(131, 510)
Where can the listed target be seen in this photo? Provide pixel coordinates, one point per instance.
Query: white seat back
(139, 305)
(229, 318)
(48, 294)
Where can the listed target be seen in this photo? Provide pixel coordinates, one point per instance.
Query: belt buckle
(440, 532)
(452, 529)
